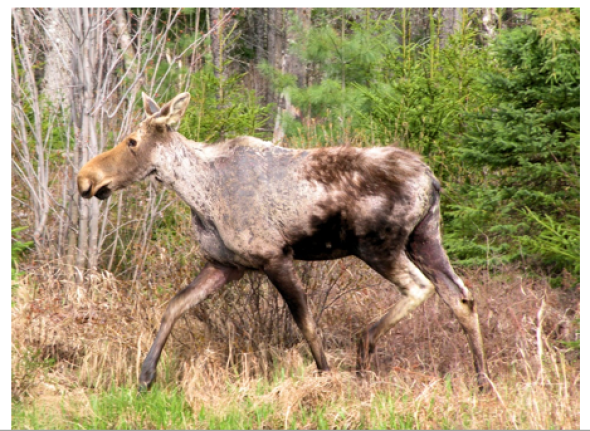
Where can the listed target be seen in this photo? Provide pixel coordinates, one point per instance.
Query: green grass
(164, 408)
(291, 401)
(120, 408)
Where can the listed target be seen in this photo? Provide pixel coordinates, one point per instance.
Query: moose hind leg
(426, 250)
(210, 279)
(415, 288)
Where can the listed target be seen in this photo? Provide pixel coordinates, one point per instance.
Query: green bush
(222, 108)
(527, 144)
(17, 249)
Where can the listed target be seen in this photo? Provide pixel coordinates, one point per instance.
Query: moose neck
(181, 165)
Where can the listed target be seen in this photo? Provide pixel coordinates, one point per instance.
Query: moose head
(133, 159)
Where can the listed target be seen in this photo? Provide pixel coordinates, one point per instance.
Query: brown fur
(385, 170)
(257, 207)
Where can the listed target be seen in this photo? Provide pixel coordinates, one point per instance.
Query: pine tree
(528, 143)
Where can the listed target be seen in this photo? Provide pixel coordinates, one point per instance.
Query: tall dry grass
(239, 351)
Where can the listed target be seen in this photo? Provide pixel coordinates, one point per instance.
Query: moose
(258, 207)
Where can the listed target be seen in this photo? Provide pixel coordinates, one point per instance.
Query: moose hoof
(483, 383)
(146, 379)
(143, 387)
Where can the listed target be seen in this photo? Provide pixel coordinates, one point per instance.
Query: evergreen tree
(527, 145)
(222, 108)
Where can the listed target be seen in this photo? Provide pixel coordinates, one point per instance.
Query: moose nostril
(85, 187)
(86, 194)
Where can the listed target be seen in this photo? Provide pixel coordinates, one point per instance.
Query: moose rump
(361, 201)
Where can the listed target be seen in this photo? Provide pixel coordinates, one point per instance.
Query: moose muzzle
(92, 183)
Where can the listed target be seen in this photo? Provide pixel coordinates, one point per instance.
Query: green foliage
(222, 108)
(17, 249)
(557, 243)
(527, 144)
(349, 58)
(119, 408)
(378, 84)
(421, 102)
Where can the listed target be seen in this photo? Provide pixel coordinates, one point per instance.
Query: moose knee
(417, 294)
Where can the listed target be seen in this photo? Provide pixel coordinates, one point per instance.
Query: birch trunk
(35, 175)
(95, 94)
(125, 44)
(489, 22)
(57, 77)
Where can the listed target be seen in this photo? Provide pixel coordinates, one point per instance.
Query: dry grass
(239, 355)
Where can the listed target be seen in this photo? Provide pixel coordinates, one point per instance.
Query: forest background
(490, 97)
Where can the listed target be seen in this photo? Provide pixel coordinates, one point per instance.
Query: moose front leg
(282, 275)
(211, 278)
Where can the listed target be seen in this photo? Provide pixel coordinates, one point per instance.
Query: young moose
(256, 206)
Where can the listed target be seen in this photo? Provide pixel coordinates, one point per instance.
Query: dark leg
(211, 278)
(425, 249)
(415, 287)
(282, 274)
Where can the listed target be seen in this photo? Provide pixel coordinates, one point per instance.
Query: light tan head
(133, 158)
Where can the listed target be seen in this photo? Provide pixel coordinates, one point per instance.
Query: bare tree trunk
(92, 52)
(294, 64)
(80, 126)
(36, 178)
(124, 39)
(280, 58)
(276, 37)
(276, 59)
(274, 47)
(88, 57)
(57, 66)
(261, 26)
(260, 43)
(216, 40)
(508, 18)
(101, 95)
(489, 22)
(451, 22)
(73, 211)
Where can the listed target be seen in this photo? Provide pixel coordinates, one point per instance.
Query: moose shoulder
(256, 206)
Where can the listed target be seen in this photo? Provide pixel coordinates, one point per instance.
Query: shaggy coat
(256, 206)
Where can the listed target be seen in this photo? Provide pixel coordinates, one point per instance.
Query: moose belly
(319, 251)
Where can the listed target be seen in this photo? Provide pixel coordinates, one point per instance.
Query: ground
(238, 361)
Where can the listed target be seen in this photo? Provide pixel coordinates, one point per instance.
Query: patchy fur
(256, 206)
(364, 171)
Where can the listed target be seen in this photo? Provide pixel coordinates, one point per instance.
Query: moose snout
(85, 187)
(93, 182)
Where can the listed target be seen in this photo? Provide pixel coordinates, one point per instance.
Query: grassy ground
(238, 362)
(299, 400)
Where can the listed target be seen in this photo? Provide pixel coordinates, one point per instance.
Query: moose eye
(132, 143)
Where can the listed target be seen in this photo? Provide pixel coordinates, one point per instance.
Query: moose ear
(173, 111)
(149, 105)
